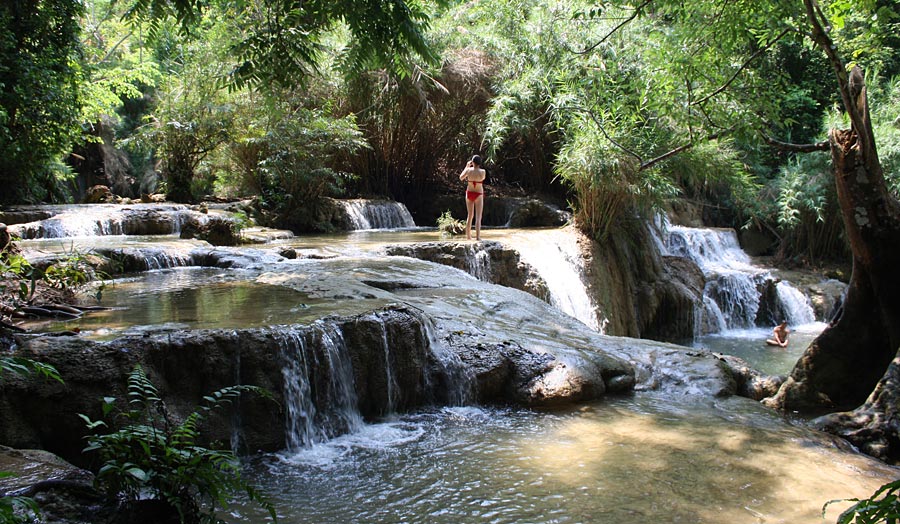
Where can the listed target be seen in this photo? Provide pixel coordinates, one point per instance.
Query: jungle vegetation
(618, 108)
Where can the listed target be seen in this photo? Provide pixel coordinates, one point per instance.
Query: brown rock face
(387, 358)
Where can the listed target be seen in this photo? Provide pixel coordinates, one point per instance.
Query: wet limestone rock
(215, 229)
(489, 261)
(99, 194)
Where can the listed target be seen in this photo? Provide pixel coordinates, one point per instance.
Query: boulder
(98, 195)
(489, 261)
(215, 229)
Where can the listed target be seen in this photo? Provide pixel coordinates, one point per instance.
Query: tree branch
(606, 135)
(680, 149)
(745, 65)
(798, 148)
(614, 30)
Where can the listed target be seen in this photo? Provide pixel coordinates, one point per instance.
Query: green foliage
(39, 96)
(17, 279)
(17, 510)
(449, 226)
(26, 366)
(149, 455)
(294, 172)
(192, 119)
(882, 507)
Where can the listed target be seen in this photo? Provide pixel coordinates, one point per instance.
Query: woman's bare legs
(479, 207)
(470, 208)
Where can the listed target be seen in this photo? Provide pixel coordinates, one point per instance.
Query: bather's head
(477, 160)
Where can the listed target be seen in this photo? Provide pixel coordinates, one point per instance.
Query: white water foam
(377, 214)
(556, 256)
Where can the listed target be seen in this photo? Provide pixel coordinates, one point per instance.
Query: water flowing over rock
(107, 219)
(376, 214)
(489, 261)
(737, 294)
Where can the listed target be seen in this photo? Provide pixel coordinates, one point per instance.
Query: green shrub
(882, 507)
(152, 457)
(449, 226)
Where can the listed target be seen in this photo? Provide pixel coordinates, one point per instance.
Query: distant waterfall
(556, 256)
(87, 220)
(377, 214)
(732, 294)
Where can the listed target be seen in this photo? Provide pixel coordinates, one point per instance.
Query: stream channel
(649, 456)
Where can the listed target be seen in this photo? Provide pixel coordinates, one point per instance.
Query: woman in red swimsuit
(474, 175)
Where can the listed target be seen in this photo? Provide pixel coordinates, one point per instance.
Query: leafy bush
(18, 510)
(882, 507)
(296, 170)
(449, 226)
(151, 457)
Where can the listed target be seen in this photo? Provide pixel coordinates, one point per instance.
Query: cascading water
(319, 393)
(377, 214)
(78, 221)
(390, 378)
(479, 263)
(556, 256)
(732, 293)
(460, 386)
(795, 305)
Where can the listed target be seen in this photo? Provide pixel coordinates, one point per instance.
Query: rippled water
(627, 460)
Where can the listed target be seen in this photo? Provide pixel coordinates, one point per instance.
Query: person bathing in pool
(474, 175)
(779, 335)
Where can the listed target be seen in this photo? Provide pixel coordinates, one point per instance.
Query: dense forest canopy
(621, 108)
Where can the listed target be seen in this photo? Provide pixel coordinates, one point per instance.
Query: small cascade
(556, 256)
(460, 386)
(377, 214)
(390, 377)
(795, 306)
(732, 298)
(80, 221)
(319, 395)
(155, 258)
(479, 263)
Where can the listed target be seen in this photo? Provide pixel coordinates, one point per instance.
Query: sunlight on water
(199, 298)
(750, 345)
(628, 460)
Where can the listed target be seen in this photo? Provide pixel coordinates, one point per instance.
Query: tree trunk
(843, 365)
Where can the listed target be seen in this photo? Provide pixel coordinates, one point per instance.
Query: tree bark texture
(843, 365)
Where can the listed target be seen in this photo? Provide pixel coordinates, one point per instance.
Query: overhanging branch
(798, 148)
(743, 66)
(680, 149)
(614, 30)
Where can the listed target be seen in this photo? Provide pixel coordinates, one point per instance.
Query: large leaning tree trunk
(844, 364)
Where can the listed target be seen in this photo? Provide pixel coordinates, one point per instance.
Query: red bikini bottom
(473, 195)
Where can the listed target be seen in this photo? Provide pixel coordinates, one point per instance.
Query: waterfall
(460, 386)
(794, 304)
(81, 220)
(478, 262)
(390, 379)
(377, 214)
(319, 394)
(556, 256)
(732, 295)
